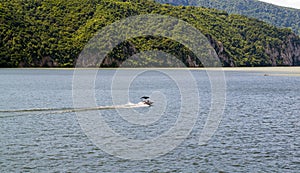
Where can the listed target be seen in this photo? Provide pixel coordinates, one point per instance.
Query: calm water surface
(259, 131)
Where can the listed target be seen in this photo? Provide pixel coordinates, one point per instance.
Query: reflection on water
(259, 131)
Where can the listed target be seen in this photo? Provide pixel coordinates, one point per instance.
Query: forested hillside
(41, 33)
(276, 15)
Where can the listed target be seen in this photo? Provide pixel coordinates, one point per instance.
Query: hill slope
(276, 15)
(53, 32)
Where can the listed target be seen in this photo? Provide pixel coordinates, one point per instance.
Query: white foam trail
(65, 110)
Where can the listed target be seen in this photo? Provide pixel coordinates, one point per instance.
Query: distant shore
(263, 71)
(292, 69)
(268, 71)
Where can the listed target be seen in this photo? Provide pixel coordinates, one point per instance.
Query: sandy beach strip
(273, 70)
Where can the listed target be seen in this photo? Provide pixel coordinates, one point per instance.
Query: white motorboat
(146, 100)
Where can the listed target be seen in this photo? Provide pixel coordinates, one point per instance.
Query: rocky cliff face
(220, 50)
(286, 54)
(46, 61)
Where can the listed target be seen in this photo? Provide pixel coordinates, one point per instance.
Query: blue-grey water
(259, 131)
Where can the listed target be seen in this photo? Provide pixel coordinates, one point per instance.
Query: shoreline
(293, 71)
(258, 69)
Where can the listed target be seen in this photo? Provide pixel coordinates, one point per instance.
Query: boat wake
(66, 110)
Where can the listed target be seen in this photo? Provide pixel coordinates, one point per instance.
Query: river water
(258, 132)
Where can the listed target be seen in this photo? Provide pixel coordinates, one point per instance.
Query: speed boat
(146, 100)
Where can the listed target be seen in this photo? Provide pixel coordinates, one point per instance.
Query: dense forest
(276, 15)
(52, 33)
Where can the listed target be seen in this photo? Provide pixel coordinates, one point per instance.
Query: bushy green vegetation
(276, 15)
(33, 32)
